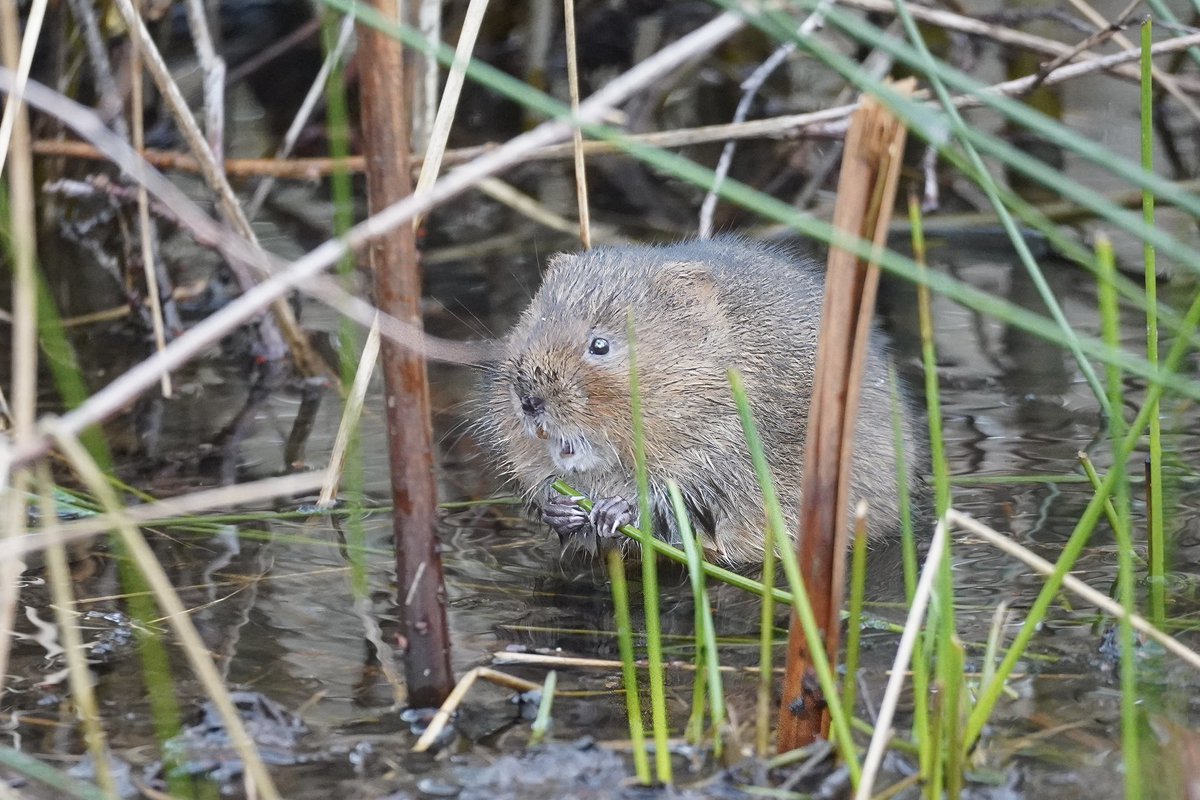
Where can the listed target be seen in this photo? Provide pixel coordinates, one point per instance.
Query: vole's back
(559, 402)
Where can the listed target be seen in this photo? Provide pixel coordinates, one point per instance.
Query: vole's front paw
(564, 517)
(610, 513)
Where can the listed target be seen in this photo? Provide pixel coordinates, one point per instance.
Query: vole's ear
(690, 287)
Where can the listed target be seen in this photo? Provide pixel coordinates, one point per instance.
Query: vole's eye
(598, 346)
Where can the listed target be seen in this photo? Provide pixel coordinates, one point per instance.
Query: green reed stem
(650, 593)
(1154, 500)
(941, 604)
(707, 660)
(952, 713)
(858, 583)
(542, 722)
(1089, 470)
(839, 717)
(1110, 324)
(633, 701)
(766, 641)
(908, 541)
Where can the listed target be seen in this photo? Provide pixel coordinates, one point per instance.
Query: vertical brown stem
(393, 258)
(866, 191)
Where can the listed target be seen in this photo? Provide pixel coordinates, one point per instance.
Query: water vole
(557, 403)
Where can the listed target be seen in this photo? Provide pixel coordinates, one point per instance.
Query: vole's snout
(533, 406)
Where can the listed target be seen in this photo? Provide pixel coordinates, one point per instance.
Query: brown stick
(866, 191)
(393, 258)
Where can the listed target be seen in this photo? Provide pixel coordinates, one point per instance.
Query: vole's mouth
(569, 453)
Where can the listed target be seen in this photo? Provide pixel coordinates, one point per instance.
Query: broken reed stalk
(393, 258)
(866, 192)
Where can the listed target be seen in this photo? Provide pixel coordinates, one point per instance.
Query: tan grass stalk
(258, 780)
(899, 671)
(581, 192)
(58, 574)
(350, 416)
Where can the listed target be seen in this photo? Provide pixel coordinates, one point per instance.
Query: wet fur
(699, 309)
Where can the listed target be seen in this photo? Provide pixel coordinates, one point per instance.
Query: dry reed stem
(529, 207)
(581, 191)
(871, 163)
(23, 233)
(213, 67)
(431, 165)
(300, 273)
(256, 775)
(385, 96)
(1097, 599)
(899, 670)
(253, 492)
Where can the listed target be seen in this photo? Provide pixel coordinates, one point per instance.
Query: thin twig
(311, 98)
(1099, 37)
(750, 89)
(110, 105)
(1163, 78)
(213, 67)
(146, 229)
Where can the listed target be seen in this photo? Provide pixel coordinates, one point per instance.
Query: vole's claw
(564, 517)
(610, 513)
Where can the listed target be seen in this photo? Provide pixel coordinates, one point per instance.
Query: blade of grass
(706, 634)
(1111, 326)
(858, 584)
(541, 723)
(650, 595)
(633, 703)
(839, 719)
(943, 601)
(1154, 499)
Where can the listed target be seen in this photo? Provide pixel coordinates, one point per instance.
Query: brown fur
(699, 309)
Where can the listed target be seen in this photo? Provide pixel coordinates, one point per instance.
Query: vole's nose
(533, 406)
